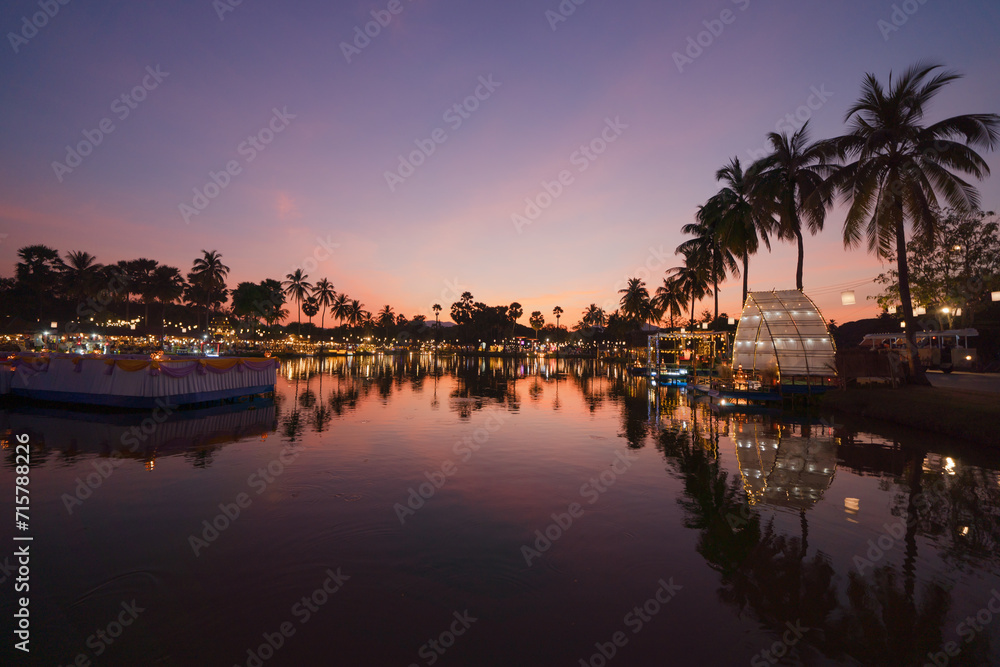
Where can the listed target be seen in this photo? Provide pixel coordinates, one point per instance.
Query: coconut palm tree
(743, 219)
(895, 168)
(514, 311)
(355, 313)
(669, 300)
(165, 286)
(537, 321)
(81, 274)
(386, 317)
(635, 303)
(38, 271)
(692, 277)
(557, 311)
(297, 287)
(593, 316)
(789, 181)
(325, 296)
(210, 274)
(708, 245)
(340, 307)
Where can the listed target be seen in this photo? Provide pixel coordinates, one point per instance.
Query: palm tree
(340, 307)
(310, 307)
(669, 300)
(789, 180)
(325, 296)
(537, 321)
(386, 317)
(514, 311)
(593, 316)
(166, 285)
(692, 278)
(38, 271)
(635, 304)
(708, 245)
(896, 167)
(81, 274)
(557, 311)
(355, 313)
(210, 274)
(297, 287)
(744, 221)
(437, 312)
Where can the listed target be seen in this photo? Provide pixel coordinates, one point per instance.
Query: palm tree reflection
(880, 619)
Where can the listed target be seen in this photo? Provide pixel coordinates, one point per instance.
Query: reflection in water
(787, 516)
(790, 471)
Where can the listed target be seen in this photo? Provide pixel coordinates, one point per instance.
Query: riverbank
(969, 415)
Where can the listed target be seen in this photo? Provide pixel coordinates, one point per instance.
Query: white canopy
(783, 332)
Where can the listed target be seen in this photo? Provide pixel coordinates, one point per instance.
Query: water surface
(512, 513)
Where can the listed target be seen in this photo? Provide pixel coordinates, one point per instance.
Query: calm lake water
(418, 511)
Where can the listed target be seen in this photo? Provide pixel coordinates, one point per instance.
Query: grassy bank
(970, 415)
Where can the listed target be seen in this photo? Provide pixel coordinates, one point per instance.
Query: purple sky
(447, 227)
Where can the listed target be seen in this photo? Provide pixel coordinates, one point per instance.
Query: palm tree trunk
(692, 307)
(917, 375)
(715, 281)
(746, 270)
(802, 253)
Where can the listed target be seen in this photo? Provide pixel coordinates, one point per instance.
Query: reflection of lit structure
(784, 470)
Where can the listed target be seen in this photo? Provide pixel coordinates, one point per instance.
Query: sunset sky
(217, 74)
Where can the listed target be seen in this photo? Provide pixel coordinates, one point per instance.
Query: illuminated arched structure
(784, 333)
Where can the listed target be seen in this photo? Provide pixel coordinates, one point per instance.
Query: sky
(284, 136)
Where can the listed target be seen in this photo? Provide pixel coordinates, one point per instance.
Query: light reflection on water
(424, 479)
